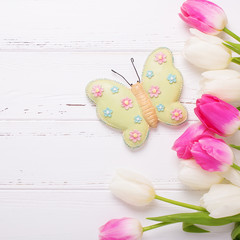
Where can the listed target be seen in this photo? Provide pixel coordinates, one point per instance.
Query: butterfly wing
(163, 82)
(118, 108)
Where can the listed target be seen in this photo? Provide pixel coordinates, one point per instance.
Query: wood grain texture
(57, 158)
(75, 214)
(62, 25)
(63, 154)
(44, 86)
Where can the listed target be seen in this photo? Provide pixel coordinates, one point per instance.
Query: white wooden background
(57, 158)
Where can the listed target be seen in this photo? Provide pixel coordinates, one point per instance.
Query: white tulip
(206, 51)
(232, 175)
(132, 188)
(224, 84)
(194, 177)
(222, 200)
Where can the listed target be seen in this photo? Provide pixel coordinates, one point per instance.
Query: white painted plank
(52, 85)
(83, 155)
(74, 215)
(72, 25)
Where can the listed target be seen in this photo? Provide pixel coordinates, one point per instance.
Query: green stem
(226, 30)
(155, 226)
(235, 146)
(235, 166)
(186, 205)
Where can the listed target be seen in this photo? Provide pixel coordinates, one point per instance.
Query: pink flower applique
(127, 103)
(154, 91)
(176, 114)
(97, 90)
(135, 136)
(160, 58)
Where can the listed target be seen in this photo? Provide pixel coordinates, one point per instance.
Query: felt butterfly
(154, 98)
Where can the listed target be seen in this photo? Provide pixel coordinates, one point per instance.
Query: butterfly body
(133, 110)
(147, 108)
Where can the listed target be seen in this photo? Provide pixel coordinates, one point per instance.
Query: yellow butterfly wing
(163, 82)
(118, 108)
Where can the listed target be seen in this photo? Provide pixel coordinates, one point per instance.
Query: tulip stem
(156, 226)
(235, 146)
(235, 166)
(226, 30)
(186, 205)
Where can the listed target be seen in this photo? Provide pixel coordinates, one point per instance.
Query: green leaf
(236, 232)
(238, 108)
(232, 48)
(234, 146)
(188, 227)
(236, 60)
(202, 218)
(235, 45)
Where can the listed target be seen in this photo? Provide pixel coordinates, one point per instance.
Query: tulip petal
(227, 90)
(207, 12)
(192, 22)
(193, 176)
(184, 143)
(208, 38)
(132, 176)
(232, 175)
(224, 84)
(223, 200)
(217, 115)
(206, 54)
(132, 188)
(212, 154)
(121, 229)
(206, 99)
(220, 74)
(204, 160)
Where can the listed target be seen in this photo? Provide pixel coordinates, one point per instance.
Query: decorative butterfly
(154, 98)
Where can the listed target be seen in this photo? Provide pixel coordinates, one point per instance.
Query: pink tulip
(121, 229)
(203, 15)
(212, 154)
(218, 116)
(184, 143)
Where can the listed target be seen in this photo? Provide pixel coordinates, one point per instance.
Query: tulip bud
(132, 188)
(203, 15)
(184, 143)
(120, 229)
(224, 84)
(222, 200)
(194, 177)
(232, 175)
(206, 51)
(217, 115)
(212, 154)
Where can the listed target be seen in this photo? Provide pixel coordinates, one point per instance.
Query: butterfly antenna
(132, 60)
(122, 77)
